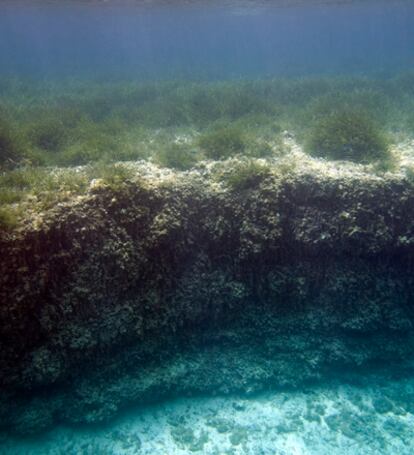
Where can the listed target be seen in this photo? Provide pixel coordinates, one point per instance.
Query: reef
(176, 284)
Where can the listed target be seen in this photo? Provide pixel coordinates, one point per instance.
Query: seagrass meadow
(206, 228)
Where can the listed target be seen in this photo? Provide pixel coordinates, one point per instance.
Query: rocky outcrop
(173, 287)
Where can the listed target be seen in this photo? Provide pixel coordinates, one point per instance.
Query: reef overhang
(166, 287)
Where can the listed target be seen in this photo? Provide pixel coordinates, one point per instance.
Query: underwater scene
(206, 227)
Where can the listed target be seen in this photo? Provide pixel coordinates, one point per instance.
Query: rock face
(150, 290)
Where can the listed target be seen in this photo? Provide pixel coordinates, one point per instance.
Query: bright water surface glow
(109, 39)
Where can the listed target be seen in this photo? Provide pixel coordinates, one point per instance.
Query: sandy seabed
(341, 419)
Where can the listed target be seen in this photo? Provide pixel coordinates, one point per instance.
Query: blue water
(198, 42)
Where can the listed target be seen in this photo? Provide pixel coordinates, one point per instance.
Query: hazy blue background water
(197, 42)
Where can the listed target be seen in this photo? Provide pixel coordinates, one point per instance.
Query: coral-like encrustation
(174, 285)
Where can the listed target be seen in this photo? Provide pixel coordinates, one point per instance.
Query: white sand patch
(341, 420)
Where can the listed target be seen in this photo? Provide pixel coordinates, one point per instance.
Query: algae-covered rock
(382, 405)
(238, 436)
(10, 148)
(349, 135)
(186, 438)
(176, 284)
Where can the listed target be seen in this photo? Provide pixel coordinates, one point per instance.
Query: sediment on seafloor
(177, 285)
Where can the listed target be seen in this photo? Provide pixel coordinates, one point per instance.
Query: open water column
(206, 227)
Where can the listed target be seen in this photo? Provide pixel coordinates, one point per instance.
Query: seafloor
(364, 419)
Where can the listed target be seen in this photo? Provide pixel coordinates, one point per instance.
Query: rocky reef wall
(158, 288)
